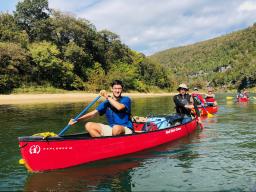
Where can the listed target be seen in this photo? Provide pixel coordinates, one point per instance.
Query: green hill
(228, 61)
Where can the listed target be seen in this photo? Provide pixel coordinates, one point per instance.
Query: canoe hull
(60, 152)
(242, 99)
(210, 109)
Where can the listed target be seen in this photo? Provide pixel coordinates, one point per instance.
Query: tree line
(41, 46)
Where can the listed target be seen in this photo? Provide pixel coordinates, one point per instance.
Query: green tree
(108, 49)
(49, 67)
(153, 74)
(33, 17)
(126, 72)
(14, 66)
(10, 32)
(66, 29)
(81, 60)
(96, 78)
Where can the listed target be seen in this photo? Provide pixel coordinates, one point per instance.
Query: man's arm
(88, 115)
(113, 102)
(116, 104)
(84, 117)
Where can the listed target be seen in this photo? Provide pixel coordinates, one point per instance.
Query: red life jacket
(210, 99)
(200, 97)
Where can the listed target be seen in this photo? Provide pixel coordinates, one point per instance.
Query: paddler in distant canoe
(210, 97)
(198, 97)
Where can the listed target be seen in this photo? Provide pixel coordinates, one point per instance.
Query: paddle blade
(21, 161)
(45, 135)
(210, 115)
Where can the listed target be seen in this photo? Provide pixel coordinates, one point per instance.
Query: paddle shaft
(202, 105)
(198, 114)
(196, 108)
(79, 115)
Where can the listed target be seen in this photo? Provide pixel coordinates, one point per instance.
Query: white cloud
(150, 25)
(71, 5)
(247, 6)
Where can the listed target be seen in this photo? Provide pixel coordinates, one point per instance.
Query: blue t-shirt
(114, 116)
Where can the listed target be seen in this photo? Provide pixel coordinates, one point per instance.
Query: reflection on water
(221, 157)
(107, 176)
(230, 102)
(207, 122)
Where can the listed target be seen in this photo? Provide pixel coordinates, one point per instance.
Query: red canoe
(209, 109)
(242, 99)
(66, 151)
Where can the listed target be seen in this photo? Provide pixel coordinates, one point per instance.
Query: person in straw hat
(183, 103)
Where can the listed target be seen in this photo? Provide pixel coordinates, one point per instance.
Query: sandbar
(64, 97)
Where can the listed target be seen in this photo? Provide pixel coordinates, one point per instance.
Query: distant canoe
(242, 99)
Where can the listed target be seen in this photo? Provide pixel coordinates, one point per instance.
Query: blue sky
(149, 26)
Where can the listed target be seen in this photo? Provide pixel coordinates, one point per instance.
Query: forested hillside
(228, 61)
(44, 47)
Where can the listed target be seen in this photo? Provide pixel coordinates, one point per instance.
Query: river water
(221, 157)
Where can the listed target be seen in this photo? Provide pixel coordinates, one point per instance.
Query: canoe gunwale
(86, 136)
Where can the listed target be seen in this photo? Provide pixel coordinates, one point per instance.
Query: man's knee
(94, 129)
(89, 126)
(117, 130)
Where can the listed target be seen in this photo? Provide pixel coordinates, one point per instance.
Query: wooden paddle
(79, 115)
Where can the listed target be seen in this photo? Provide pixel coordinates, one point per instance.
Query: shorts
(106, 130)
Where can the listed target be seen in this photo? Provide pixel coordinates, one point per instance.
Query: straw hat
(182, 85)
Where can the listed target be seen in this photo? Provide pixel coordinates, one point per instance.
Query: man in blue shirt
(117, 109)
